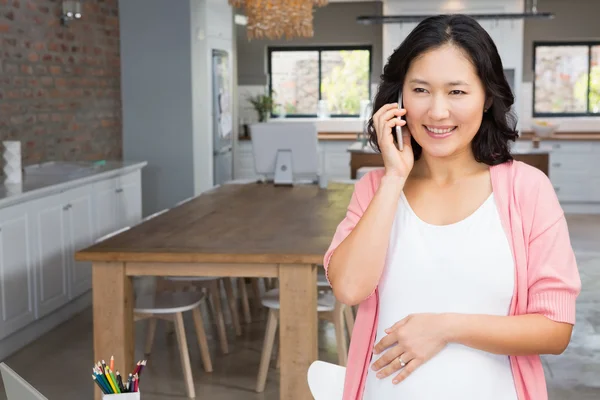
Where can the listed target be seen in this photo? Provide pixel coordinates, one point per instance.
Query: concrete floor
(59, 363)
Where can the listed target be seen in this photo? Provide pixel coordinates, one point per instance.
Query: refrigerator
(222, 93)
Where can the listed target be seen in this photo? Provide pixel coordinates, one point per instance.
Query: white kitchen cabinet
(573, 171)
(41, 284)
(80, 234)
(117, 203)
(16, 270)
(105, 206)
(50, 238)
(129, 198)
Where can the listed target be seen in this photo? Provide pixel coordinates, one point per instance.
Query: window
(301, 76)
(567, 79)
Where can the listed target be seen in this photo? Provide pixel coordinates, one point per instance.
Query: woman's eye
(420, 90)
(457, 92)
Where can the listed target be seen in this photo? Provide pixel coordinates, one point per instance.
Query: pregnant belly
(457, 372)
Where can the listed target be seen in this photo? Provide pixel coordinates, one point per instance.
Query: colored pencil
(114, 380)
(110, 381)
(101, 378)
(102, 389)
(120, 382)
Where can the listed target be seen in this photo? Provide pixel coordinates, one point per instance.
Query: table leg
(113, 317)
(298, 329)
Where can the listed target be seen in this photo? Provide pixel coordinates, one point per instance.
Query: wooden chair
(327, 309)
(170, 306)
(211, 285)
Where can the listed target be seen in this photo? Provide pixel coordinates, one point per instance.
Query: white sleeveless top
(466, 267)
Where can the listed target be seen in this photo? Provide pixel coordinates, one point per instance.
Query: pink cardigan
(547, 280)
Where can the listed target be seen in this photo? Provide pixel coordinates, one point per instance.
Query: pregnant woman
(458, 256)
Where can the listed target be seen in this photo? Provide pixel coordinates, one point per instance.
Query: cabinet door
(53, 259)
(17, 286)
(80, 230)
(129, 199)
(105, 207)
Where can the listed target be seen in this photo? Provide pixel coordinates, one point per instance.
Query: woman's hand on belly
(409, 343)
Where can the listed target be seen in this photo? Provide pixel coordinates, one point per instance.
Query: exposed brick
(11, 69)
(27, 69)
(61, 85)
(41, 70)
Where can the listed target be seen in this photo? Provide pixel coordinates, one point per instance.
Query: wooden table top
(249, 223)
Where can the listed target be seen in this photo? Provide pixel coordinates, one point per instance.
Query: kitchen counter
(366, 156)
(53, 177)
(525, 135)
(357, 147)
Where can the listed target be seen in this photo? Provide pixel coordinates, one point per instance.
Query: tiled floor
(59, 364)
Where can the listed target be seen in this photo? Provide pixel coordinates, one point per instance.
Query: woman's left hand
(410, 343)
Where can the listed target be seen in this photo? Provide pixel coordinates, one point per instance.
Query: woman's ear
(488, 104)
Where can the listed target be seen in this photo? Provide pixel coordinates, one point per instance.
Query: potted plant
(263, 104)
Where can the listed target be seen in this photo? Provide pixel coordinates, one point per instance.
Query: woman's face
(444, 99)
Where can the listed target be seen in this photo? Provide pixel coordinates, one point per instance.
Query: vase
(12, 161)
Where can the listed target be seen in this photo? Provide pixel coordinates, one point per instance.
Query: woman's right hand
(397, 163)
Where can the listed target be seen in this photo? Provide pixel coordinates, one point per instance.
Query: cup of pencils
(113, 385)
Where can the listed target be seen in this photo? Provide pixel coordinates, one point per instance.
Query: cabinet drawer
(564, 146)
(572, 163)
(577, 191)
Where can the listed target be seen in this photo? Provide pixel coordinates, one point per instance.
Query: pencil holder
(122, 396)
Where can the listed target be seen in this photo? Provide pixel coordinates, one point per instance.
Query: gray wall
(334, 24)
(574, 20)
(156, 96)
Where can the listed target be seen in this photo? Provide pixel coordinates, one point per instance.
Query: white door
(129, 200)
(53, 257)
(105, 206)
(17, 286)
(80, 230)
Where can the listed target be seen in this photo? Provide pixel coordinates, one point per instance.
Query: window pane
(595, 81)
(345, 80)
(295, 81)
(561, 79)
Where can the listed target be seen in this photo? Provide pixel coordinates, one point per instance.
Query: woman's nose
(438, 109)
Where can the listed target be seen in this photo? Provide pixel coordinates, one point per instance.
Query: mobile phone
(399, 128)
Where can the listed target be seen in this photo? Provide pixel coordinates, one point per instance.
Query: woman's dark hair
(498, 126)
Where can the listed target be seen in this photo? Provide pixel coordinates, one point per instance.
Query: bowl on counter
(543, 129)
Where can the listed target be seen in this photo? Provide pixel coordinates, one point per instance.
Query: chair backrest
(326, 380)
(16, 387)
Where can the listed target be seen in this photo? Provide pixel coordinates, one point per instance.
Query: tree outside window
(300, 77)
(567, 79)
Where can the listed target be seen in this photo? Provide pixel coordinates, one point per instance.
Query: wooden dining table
(235, 230)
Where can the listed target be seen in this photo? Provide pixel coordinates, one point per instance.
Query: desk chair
(16, 387)
(328, 308)
(326, 380)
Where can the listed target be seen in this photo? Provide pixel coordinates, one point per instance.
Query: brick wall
(60, 85)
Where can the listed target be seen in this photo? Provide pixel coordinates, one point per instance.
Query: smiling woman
(459, 256)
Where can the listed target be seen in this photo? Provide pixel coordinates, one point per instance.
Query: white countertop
(54, 177)
(357, 147)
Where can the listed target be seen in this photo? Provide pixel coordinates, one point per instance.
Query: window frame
(543, 43)
(319, 49)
